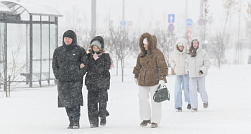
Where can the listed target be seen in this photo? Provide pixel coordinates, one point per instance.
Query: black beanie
(71, 34)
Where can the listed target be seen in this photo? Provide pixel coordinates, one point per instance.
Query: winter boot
(194, 110)
(93, 126)
(188, 106)
(103, 121)
(154, 125)
(179, 109)
(71, 124)
(75, 124)
(94, 122)
(145, 122)
(205, 105)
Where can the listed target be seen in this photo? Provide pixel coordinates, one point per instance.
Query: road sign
(122, 23)
(201, 21)
(189, 22)
(171, 18)
(130, 23)
(171, 27)
(189, 33)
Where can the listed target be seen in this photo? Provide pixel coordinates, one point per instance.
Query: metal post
(5, 57)
(185, 20)
(49, 51)
(123, 11)
(1, 55)
(93, 20)
(201, 30)
(41, 51)
(31, 50)
(56, 31)
(123, 14)
(27, 50)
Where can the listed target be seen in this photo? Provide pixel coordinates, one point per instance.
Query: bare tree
(249, 22)
(207, 17)
(166, 41)
(121, 46)
(239, 45)
(14, 68)
(219, 47)
(220, 42)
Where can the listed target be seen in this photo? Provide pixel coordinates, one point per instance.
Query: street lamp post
(93, 18)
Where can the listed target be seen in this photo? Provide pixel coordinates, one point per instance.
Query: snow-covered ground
(35, 111)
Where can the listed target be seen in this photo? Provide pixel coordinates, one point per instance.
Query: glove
(161, 83)
(136, 81)
(186, 70)
(200, 73)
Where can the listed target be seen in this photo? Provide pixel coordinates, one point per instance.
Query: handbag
(161, 94)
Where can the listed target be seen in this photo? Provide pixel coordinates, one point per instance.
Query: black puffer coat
(98, 75)
(66, 68)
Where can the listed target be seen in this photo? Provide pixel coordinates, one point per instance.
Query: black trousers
(73, 112)
(97, 103)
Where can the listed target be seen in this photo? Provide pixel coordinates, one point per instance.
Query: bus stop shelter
(28, 37)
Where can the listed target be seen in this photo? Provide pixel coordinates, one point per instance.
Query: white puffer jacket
(178, 59)
(200, 62)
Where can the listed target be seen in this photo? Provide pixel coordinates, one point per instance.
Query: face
(67, 40)
(181, 48)
(195, 44)
(95, 48)
(145, 46)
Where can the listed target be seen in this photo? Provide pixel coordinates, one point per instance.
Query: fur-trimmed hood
(152, 43)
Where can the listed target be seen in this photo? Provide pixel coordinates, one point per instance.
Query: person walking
(97, 81)
(197, 65)
(150, 72)
(68, 65)
(178, 61)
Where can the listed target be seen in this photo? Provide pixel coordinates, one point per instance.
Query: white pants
(197, 84)
(144, 105)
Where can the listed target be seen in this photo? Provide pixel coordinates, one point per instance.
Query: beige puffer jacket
(200, 62)
(178, 59)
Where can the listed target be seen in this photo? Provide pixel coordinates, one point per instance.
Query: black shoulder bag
(161, 94)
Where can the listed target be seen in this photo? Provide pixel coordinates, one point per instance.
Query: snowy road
(34, 111)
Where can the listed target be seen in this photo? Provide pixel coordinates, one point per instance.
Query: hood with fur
(152, 43)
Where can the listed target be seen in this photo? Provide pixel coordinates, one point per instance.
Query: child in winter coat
(197, 65)
(97, 81)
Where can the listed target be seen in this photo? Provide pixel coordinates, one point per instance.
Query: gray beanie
(96, 43)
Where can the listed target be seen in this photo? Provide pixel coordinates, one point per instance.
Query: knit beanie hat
(96, 43)
(145, 41)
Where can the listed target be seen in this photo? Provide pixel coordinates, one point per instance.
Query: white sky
(142, 13)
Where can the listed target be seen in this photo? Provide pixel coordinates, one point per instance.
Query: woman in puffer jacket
(178, 61)
(197, 65)
(150, 72)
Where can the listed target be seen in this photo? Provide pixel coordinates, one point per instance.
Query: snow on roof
(31, 8)
(4, 8)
